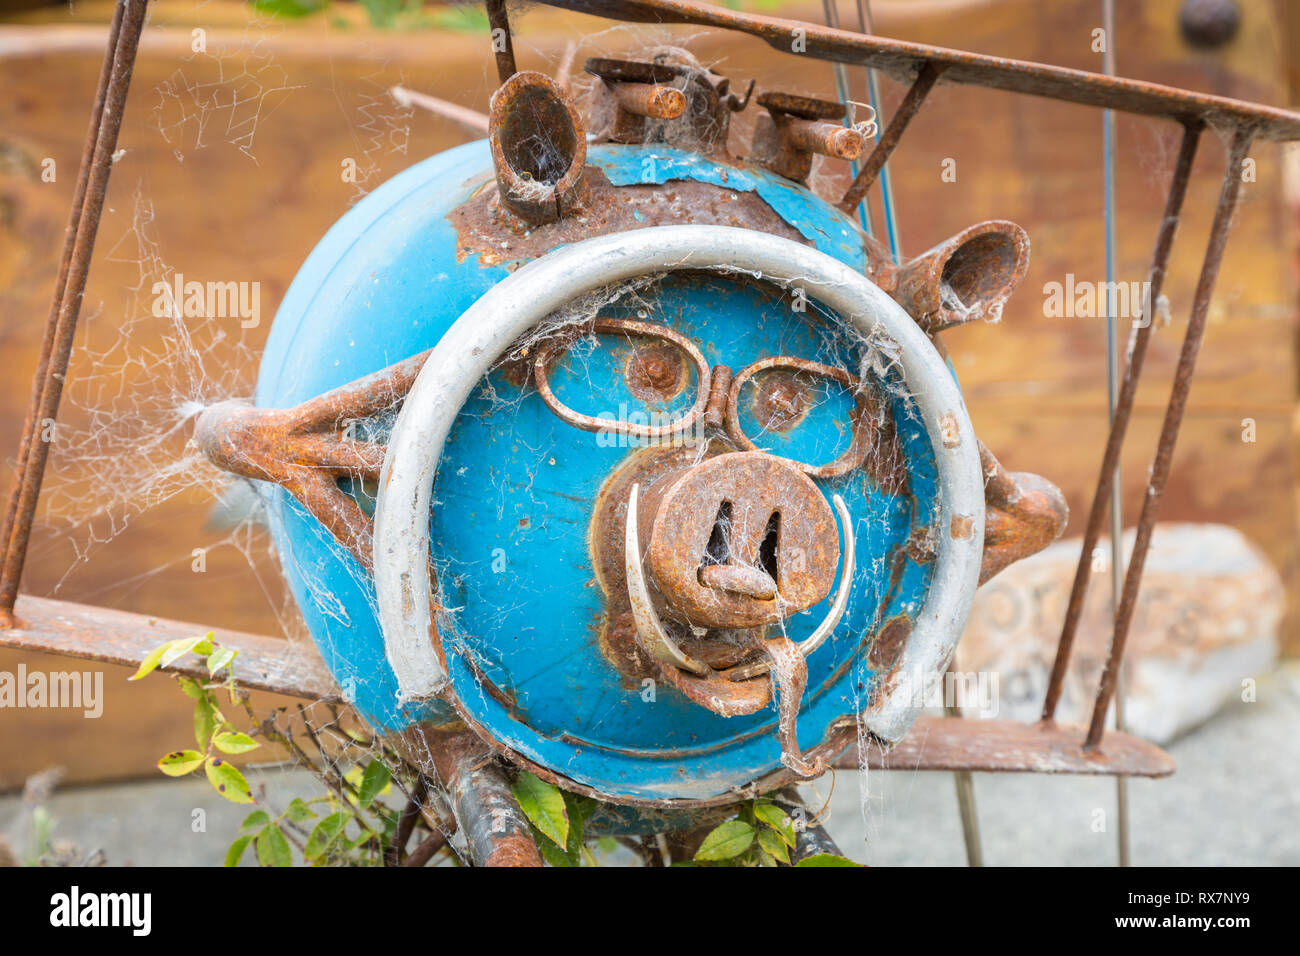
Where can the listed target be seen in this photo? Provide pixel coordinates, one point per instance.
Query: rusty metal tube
(650, 99)
(495, 829)
(1123, 411)
(538, 148)
(826, 139)
(967, 277)
(51, 374)
(1229, 194)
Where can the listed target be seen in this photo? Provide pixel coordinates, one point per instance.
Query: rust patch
(948, 430)
(889, 643)
(961, 527)
(780, 401)
(656, 372)
(486, 228)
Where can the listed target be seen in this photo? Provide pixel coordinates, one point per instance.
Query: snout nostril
(718, 550)
(767, 551)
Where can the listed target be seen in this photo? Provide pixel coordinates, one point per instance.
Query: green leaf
(778, 820)
(191, 688)
(325, 833)
(462, 19)
(299, 812)
(773, 845)
(726, 841)
(233, 742)
(289, 9)
(373, 782)
(236, 851)
(827, 859)
(273, 848)
(551, 853)
(228, 781)
(205, 721)
(180, 762)
(579, 809)
(254, 821)
(383, 13)
(221, 658)
(150, 663)
(543, 804)
(179, 648)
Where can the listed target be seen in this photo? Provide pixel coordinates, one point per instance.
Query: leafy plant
(557, 818)
(213, 732)
(350, 824)
(761, 834)
(386, 14)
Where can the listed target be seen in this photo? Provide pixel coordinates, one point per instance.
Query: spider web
(140, 379)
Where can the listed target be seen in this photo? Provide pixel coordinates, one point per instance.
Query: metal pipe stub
(539, 148)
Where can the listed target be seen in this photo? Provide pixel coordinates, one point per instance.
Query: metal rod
(867, 27)
(467, 119)
(1112, 398)
(60, 283)
(1229, 195)
(970, 825)
(965, 783)
(907, 109)
(1137, 349)
(495, 829)
(811, 839)
(503, 44)
(47, 387)
(843, 89)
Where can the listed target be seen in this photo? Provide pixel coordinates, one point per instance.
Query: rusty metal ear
(965, 278)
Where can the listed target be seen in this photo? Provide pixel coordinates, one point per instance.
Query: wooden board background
(1035, 385)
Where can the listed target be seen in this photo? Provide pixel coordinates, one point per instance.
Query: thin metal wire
(1112, 401)
(845, 94)
(964, 781)
(866, 26)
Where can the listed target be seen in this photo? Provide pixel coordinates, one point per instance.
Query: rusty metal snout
(739, 582)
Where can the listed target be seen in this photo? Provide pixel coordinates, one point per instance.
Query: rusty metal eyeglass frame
(717, 395)
(937, 743)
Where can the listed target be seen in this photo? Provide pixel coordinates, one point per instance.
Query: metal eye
(656, 371)
(787, 397)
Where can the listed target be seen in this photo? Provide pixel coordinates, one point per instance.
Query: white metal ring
(522, 300)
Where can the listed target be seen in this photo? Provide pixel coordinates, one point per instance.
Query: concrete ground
(1235, 799)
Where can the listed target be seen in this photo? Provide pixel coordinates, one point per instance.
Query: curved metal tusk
(654, 637)
(818, 637)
